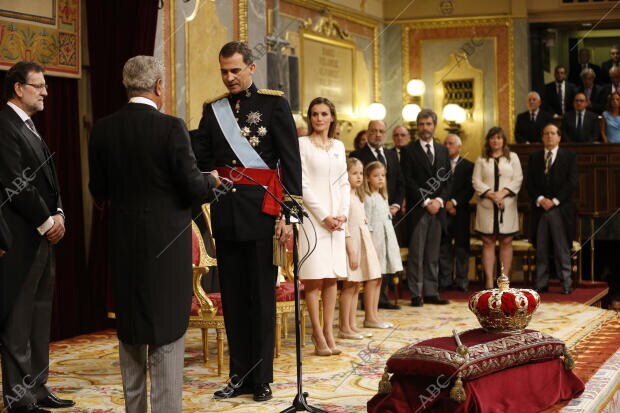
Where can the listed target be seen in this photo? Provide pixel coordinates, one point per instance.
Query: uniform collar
(244, 94)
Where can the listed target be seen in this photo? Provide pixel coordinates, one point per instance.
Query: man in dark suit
(585, 55)
(595, 93)
(374, 151)
(5, 235)
(426, 168)
(141, 162)
(614, 82)
(559, 93)
(551, 182)
(614, 61)
(528, 128)
(251, 131)
(458, 218)
(580, 125)
(401, 137)
(33, 211)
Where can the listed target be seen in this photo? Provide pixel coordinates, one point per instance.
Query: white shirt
(142, 99)
(453, 163)
(554, 154)
(425, 149)
(49, 222)
(376, 152)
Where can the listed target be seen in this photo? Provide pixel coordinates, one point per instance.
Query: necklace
(319, 143)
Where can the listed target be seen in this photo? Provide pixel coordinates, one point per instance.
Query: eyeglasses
(38, 87)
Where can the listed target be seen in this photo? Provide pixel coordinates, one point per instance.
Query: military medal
(254, 141)
(262, 131)
(253, 118)
(245, 131)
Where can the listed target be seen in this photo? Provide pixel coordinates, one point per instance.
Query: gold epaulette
(223, 95)
(293, 198)
(270, 92)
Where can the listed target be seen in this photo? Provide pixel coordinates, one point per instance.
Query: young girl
(383, 235)
(362, 259)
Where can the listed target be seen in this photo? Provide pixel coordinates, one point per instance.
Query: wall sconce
(376, 111)
(410, 115)
(454, 115)
(416, 89)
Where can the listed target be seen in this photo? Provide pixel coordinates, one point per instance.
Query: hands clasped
(335, 223)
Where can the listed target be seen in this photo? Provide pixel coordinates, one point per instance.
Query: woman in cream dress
(325, 187)
(497, 180)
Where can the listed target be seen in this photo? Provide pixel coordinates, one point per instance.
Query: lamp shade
(454, 113)
(410, 112)
(376, 111)
(416, 87)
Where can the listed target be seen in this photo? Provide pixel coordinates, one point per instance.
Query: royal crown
(504, 309)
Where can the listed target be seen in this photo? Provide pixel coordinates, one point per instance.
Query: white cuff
(540, 198)
(395, 205)
(556, 201)
(426, 202)
(454, 202)
(46, 226)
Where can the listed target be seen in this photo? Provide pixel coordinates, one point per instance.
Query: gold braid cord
(457, 392)
(385, 387)
(569, 362)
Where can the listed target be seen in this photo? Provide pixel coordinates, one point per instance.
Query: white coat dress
(326, 192)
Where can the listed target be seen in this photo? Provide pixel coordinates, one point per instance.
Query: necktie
(548, 162)
(560, 97)
(30, 125)
(588, 92)
(381, 158)
(532, 117)
(579, 120)
(429, 154)
(398, 154)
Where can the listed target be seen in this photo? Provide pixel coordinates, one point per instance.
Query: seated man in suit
(585, 55)
(559, 94)
(551, 182)
(457, 209)
(614, 61)
(595, 93)
(374, 151)
(528, 128)
(580, 125)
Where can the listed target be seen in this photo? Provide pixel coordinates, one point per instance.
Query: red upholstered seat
(195, 251)
(286, 291)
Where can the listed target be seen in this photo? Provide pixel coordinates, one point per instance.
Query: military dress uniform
(242, 230)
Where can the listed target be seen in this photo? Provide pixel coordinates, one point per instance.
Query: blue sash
(230, 128)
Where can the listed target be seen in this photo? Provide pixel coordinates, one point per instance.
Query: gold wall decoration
(327, 26)
(242, 6)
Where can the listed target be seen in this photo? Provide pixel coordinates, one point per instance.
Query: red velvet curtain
(117, 30)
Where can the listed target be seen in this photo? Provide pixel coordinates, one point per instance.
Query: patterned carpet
(86, 368)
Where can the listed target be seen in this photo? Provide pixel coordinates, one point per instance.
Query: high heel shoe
(350, 336)
(321, 351)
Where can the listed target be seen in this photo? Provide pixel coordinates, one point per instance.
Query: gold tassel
(279, 250)
(457, 392)
(569, 362)
(385, 387)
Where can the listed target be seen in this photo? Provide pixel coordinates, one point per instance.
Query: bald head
(376, 133)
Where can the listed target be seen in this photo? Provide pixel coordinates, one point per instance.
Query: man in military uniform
(249, 136)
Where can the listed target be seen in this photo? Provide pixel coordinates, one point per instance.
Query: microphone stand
(299, 402)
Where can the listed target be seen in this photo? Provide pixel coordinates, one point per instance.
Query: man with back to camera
(551, 182)
(426, 168)
(529, 124)
(374, 151)
(251, 131)
(141, 162)
(32, 209)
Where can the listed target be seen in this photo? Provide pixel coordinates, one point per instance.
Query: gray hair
(458, 140)
(533, 93)
(400, 126)
(427, 113)
(141, 73)
(587, 72)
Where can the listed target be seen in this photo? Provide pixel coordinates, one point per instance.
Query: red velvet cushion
(286, 291)
(195, 306)
(215, 298)
(488, 353)
(195, 249)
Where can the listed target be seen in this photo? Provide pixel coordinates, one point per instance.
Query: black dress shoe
(232, 391)
(435, 300)
(262, 392)
(389, 306)
(416, 302)
(54, 402)
(544, 289)
(33, 408)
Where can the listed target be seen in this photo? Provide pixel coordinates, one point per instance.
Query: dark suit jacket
(590, 129)
(574, 75)
(551, 102)
(461, 190)
(238, 216)
(598, 98)
(5, 234)
(30, 195)
(605, 67)
(561, 183)
(425, 181)
(528, 131)
(142, 163)
(395, 180)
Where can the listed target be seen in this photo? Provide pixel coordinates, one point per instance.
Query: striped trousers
(165, 366)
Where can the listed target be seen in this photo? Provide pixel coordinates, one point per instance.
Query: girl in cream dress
(326, 198)
(363, 263)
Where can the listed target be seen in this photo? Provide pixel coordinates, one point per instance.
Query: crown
(504, 309)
